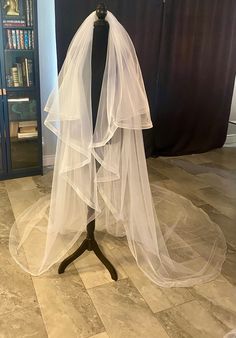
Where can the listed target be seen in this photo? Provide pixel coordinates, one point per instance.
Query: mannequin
(99, 50)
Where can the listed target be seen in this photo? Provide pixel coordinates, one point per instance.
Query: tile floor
(84, 302)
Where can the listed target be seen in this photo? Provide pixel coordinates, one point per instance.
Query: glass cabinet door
(2, 132)
(23, 129)
(2, 143)
(21, 81)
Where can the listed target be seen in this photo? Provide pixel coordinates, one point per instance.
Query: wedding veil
(173, 242)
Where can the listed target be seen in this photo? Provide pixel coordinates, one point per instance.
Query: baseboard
(230, 140)
(48, 160)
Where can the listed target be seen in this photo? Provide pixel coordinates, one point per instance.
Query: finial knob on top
(101, 11)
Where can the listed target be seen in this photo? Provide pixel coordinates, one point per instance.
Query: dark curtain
(187, 54)
(196, 78)
(143, 21)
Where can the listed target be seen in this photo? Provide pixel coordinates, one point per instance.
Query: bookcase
(20, 114)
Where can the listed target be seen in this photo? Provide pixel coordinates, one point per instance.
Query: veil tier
(173, 242)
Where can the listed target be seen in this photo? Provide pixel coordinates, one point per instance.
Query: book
(30, 39)
(20, 61)
(32, 123)
(32, 36)
(30, 72)
(20, 74)
(27, 135)
(13, 23)
(28, 13)
(26, 71)
(28, 129)
(31, 12)
(9, 80)
(9, 39)
(26, 41)
(15, 77)
(22, 45)
(14, 43)
(18, 39)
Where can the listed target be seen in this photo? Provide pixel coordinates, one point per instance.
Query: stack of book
(21, 74)
(20, 39)
(27, 129)
(13, 23)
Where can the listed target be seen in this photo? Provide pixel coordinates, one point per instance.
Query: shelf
(23, 120)
(27, 139)
(19, 89)
(18, 27)
(19, 50)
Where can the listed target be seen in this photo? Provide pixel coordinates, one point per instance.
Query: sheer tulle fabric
(173, 242)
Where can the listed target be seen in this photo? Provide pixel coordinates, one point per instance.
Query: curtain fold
(196, 77)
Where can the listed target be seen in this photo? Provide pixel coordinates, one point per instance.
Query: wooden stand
(99, 51)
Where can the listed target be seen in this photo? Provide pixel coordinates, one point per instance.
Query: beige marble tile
(159, 162)
(180, 189)
(126, 307)
(66, 307)
(201, 169)
(205, 163)
(179, 175)
(44, 183)
(224, 156)
(218, 297)
(6, 215)
(188, 166)
(196, 158)
(219, 201)
(22, 199)
(16, 287)
(225, 185)
(124, 312)
(157, 298)
(22, 323)
(24, 183)
(229, 266)
(93, 272)
(100, 335)
(226, 224)
(111, 242)
(191, 320)
(220, 170)
(154, 175)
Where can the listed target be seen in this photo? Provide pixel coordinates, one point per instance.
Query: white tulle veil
(173, 242)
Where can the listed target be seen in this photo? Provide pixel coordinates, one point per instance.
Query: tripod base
(89, 244)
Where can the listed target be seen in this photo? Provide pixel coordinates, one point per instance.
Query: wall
(48, 70)
(231, 132)
(233, 105)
